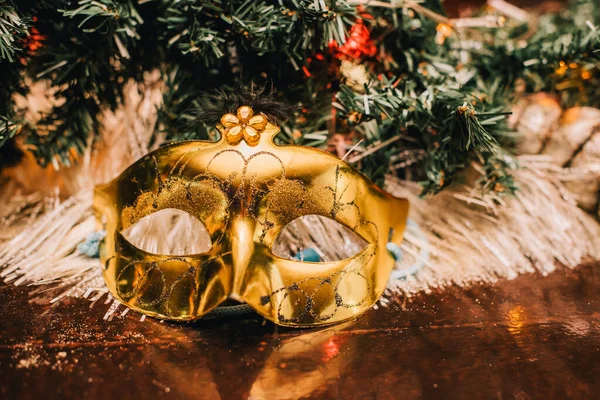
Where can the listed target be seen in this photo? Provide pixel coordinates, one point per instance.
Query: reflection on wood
(533, 337)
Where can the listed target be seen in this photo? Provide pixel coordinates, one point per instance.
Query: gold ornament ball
(534, 118)
(587, 190)
(355, 75)
(574, 129)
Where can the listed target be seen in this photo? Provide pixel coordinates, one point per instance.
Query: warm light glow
(562, 69)
(330, 349)
(443, 31)
(516, 320)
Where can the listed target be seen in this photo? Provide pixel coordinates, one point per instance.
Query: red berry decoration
(358, 45)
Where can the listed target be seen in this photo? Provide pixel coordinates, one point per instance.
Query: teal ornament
(308, 255)
(91, 245)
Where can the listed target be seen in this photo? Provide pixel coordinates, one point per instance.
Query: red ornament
(358, 45)
(35, 40)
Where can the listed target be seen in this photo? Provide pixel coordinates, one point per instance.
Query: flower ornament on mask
(242, 191)
(244, 125)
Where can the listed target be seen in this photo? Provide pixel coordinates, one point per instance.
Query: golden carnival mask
(244, 190)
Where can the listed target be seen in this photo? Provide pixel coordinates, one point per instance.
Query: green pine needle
(13, 29)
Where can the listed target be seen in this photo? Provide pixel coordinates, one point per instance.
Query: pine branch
(560, 54)
(64, 134)
(8, 129)
(13, 29)
(497, 174)
(118, 19)
(443, 122)
(296, 28)
(177, 116)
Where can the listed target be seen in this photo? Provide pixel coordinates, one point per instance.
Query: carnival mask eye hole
(314, 238)
(169, 232)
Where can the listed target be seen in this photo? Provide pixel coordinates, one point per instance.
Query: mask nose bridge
(241, 233)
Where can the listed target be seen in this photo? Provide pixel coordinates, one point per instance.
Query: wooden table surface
(530, 338)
